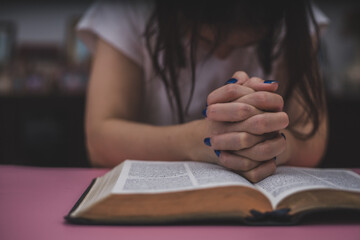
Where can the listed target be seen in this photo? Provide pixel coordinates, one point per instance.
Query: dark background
(43, 82)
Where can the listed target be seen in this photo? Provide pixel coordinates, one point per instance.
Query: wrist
(194, 147)
(285, 156)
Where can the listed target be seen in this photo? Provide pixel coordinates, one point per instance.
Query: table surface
(34, 200)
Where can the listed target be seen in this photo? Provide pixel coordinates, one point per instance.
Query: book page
(156, 177)
(288, 180)
(101, 189)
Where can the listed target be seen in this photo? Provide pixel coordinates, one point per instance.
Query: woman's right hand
(244, 120)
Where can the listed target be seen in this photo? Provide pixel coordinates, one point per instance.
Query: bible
(157, 192)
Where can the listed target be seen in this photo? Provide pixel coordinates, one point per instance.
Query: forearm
(115, 140)
(304, 153)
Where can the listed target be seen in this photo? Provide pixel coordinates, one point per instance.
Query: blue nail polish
(204, 112)
(217, 152)
(232, 80)
(270, 81)
(274, 158)
(283, 135)
(207, 142)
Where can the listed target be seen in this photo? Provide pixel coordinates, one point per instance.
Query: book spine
(68, 216)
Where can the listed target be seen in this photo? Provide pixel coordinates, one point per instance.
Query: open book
(138, 192)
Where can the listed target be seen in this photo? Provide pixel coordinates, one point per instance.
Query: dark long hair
(171, 20)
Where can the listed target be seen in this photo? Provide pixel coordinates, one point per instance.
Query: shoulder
(134, 11)
(108, 8)
(113, 14)
(120, 23)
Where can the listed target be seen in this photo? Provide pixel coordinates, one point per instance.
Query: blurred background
(44, 71)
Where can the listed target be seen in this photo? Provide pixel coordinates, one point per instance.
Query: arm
(309, 152)
(112, 133)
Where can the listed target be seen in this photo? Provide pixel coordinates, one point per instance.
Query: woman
(158, 64)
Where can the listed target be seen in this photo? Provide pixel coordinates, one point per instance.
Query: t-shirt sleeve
(119, 23)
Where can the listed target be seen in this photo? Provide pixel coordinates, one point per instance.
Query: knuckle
(256, 176)
(285, 119)
(216, 142)
(239, 140)
(281, 101)
(242, 140)
(253, 176)
(255, 79)
(245, 165)
(231, 90)
(272, 168)
(265, 149)
(209, 98)
(210, 111)
(240, 75)
(224, 160)
(243, 111)
(245, 108)
(261, 98)
(260, 124)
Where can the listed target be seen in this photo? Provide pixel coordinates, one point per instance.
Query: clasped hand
(245, 122)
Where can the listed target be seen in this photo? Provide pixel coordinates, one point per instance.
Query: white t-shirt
(122, 24)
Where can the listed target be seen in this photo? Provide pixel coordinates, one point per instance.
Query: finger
(236, 163)
(260, 172)
(265, 150)
(259, 84)
(231, 112)
(266, 101)
(261, 123)
(241, 77)
(228, 93)
(235, 141)
(255, 83)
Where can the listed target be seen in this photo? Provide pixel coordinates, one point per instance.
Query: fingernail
(207, 142)
(232, 80)
(204, 112)
(217, 152)
(274, 158)
(283, 135)
(270, 81)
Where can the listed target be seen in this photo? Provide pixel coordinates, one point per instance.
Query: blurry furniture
(344, 126)
(42, 130)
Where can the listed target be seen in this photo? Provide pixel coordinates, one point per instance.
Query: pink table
(33, 202)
